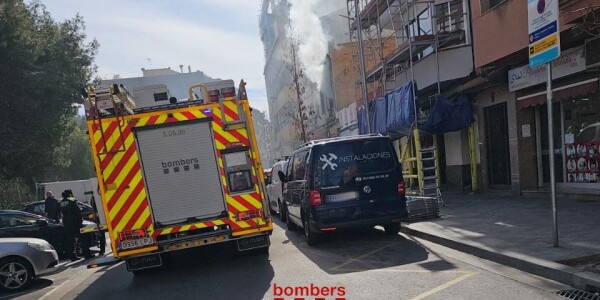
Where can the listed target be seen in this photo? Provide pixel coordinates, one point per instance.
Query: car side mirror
(42, 222)
(281, 176)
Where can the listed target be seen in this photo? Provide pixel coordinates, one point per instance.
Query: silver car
(22, 259)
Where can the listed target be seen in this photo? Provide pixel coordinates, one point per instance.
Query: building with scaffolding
(423, 47)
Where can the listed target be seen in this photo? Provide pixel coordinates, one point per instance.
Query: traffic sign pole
(544, 47)
(551, 153)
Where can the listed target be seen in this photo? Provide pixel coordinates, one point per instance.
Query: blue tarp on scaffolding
(379, 119)
(362, 120)
(449, 116)
(401, 113)
(393, 113)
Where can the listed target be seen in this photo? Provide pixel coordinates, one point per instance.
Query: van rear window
(338, 164)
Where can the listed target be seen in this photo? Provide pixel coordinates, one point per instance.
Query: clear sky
(218, 37)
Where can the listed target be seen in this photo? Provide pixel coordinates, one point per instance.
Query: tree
(45, 65)
(589, 23)
(302, 116)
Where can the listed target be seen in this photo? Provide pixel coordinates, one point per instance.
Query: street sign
(544, 33)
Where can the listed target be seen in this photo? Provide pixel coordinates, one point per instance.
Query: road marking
(116, 265)
(444, 286)
(404, 271)
(351, 260)
(53, 290)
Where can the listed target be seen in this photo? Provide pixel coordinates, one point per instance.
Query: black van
(341, 183)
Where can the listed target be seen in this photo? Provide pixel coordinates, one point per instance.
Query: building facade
(510, 97)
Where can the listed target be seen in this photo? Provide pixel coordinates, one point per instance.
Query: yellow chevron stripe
(118, 157)
(114, 137)
(231, 105)
(252, 200)
(198, 114)
(226, 135)
(219, 145)
(243, 132)
(166, 231)
(180, 117)
(126, 194)
(236, 204)
(140, 222)
(142, 121)
(161, 119)
(219, 222)
(97, 137)
(130, 210)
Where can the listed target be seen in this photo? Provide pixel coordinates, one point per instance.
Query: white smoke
(312, 40)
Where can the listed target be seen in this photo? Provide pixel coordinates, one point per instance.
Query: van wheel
(282, 212)
(288, 221)
(392, 228)
(312, 238)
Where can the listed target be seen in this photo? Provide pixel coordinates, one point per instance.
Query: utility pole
(361, 57)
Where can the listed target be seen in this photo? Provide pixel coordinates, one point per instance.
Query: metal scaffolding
(392, 35)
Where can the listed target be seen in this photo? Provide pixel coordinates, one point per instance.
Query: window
(161, 97)
(587, 135)
(299, 166)
(238, 171)
(14, 221)
(487, 5)
(275, 174)
(38, 209)
(339, 164)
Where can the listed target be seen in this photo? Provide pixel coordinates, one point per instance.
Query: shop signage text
(570, 62)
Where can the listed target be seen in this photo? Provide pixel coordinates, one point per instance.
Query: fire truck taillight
(249, 214)
(132, 234)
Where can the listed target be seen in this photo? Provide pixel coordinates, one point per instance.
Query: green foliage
(44, 66)
(14, 193)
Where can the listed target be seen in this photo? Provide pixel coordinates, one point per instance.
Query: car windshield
(339, 163)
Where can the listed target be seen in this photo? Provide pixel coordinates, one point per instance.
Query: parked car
(589, 133)
(275, 188)
(38, 208)
(22, 259)
(14, 223)
(341, 183)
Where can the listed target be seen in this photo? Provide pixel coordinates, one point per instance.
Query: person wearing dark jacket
(72, 222)
(51, 207)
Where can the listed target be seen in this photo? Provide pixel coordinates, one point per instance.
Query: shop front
(576, 122)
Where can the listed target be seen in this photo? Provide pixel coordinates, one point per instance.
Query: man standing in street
(51, 207)
(72, 222)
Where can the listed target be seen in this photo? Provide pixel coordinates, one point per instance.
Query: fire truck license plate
(136, 243)
(253, 242)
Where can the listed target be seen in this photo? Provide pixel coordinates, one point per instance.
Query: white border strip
(558, 89)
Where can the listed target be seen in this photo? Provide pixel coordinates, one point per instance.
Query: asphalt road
(364, 264)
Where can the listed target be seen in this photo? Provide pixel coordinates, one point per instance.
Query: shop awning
(569, 91)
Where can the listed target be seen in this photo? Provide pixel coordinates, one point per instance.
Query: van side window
(288, 170)
(274, 176)
(300, 165)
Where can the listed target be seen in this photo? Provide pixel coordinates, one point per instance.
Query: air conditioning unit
(592, 54)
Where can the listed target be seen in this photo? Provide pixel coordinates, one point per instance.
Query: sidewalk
(517, 231)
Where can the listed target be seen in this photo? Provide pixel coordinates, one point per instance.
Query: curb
(543, 268)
